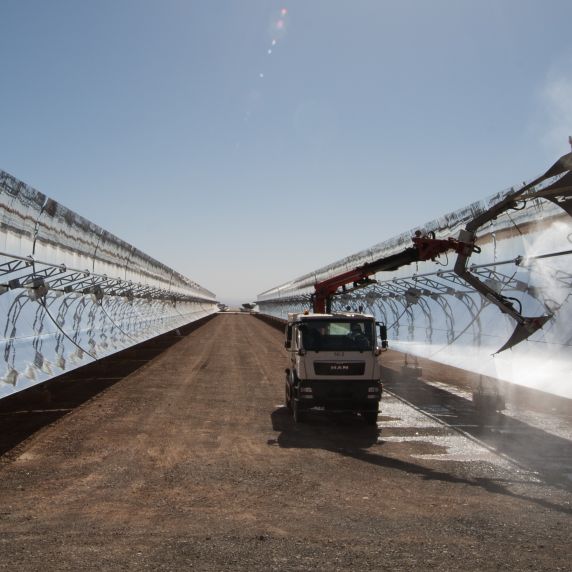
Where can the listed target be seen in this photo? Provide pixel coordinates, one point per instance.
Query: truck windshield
(350, 335)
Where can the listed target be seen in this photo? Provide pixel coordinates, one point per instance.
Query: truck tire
(297, 414)
(370, 417)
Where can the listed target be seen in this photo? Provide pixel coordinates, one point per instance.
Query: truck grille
(339, 368)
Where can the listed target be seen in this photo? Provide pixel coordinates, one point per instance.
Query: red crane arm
(424, 248)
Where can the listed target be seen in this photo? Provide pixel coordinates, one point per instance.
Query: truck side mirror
(288, 341)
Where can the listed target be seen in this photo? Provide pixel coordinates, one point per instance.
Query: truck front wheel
(287, 399)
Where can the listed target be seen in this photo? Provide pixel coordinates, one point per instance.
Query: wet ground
(531, 437)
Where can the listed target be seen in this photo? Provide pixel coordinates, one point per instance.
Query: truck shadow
(322, 430)
(350, 437)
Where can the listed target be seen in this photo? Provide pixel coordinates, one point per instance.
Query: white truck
(334, 364)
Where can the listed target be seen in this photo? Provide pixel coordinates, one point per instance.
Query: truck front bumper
(340, 395)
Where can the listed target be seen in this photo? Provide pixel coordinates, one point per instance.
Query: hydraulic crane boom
(558, 191)
(424, 248)
(427, 247)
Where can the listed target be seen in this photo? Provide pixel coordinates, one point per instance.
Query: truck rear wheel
(370, 417)
(297, 413)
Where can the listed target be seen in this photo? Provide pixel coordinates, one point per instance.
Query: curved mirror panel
(72, 293)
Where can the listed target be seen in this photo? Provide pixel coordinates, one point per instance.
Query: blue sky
(170, 124)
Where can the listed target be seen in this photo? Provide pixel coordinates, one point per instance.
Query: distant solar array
(525, 257)
(72, 293)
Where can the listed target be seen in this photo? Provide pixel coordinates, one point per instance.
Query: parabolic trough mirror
(500, 308)
(72, 293)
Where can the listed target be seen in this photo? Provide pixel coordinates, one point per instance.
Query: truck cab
(333, 364)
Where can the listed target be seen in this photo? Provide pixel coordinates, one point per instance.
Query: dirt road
(192, 462)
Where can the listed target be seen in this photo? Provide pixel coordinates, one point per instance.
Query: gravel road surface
(193, 463)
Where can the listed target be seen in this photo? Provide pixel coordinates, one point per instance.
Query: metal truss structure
(72, 293)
